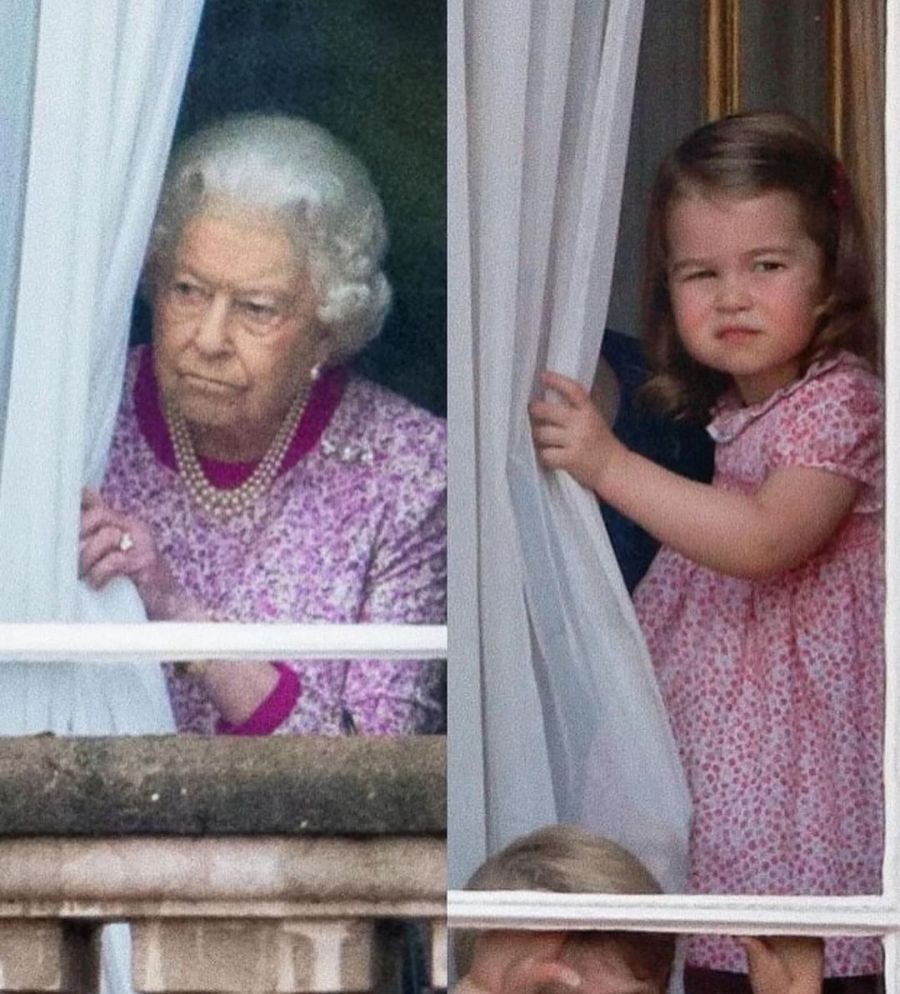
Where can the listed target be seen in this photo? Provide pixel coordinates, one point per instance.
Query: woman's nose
(211, 331)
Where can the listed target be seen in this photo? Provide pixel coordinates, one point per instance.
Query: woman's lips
(208, 384)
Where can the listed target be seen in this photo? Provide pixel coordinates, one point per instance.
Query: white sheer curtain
(107, 77)
(555, 714)
(17, 43)
(99, 82)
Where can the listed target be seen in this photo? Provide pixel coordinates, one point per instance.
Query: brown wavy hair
(744, 155)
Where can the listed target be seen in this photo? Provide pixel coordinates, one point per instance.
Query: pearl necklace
(223, 503)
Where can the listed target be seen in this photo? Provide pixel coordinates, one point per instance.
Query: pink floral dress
(352, 530)
(775, 688)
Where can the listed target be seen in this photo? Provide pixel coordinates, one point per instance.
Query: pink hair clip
(840, 190)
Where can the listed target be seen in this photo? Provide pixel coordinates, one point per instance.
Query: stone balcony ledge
(241, 865)
(195, 786)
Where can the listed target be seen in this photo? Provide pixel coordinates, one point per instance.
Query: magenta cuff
(273, 710)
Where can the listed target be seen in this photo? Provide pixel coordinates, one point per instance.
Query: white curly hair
(314, 185)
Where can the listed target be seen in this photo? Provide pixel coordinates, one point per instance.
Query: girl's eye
(698, 274)
(767, 266)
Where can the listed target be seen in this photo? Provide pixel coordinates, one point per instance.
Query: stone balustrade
(281, 864)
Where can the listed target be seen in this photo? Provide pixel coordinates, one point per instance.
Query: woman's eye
(768, 265)
(698, 274)
(260, 312)
(187, 292)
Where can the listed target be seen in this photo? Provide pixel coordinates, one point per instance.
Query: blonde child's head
(568, 859)
(743, 156)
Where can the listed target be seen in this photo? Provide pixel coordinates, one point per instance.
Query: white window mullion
(218, 640)
(891, 883)
(720, 914)
(892, 963)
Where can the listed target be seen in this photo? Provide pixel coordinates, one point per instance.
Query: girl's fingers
(552, 458)
(570, 390)
(549, 435)
(545, 412)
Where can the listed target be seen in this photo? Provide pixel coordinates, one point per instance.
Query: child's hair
(745, 155)
(567, 859)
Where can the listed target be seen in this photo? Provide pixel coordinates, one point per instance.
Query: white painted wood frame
(158, 641)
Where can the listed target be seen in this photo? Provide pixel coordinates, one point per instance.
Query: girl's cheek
(681, 298)
(685, 310)
(694, 294)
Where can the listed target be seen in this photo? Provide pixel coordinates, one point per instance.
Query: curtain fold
(107, 79)
(17, 49)
(573, 726)
(465, 757)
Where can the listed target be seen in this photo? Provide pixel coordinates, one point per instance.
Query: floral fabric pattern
(775, 688)
(352, 530)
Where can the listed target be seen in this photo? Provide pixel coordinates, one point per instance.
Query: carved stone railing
(241, 865)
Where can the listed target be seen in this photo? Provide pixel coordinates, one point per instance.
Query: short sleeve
(835, 422)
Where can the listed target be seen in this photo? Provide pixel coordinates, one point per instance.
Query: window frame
(877, 914)
(154, 642)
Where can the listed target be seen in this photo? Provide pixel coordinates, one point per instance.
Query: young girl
(763, 611)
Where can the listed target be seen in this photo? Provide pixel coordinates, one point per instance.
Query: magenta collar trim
(323, 401)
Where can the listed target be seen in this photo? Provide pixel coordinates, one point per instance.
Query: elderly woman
(252, 477)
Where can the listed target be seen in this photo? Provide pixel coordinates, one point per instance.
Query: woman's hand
(236, 689)
(114, 544)
(785, 964)
(571, 435)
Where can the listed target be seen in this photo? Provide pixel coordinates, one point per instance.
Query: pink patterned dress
(352, 530)
(775, 688)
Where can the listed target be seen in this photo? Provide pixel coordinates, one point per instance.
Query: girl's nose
(211, 331)
(733, 293)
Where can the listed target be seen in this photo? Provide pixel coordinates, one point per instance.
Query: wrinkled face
(235, 333)
(745, 280)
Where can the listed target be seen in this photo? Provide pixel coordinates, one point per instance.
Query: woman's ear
(324, 346)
